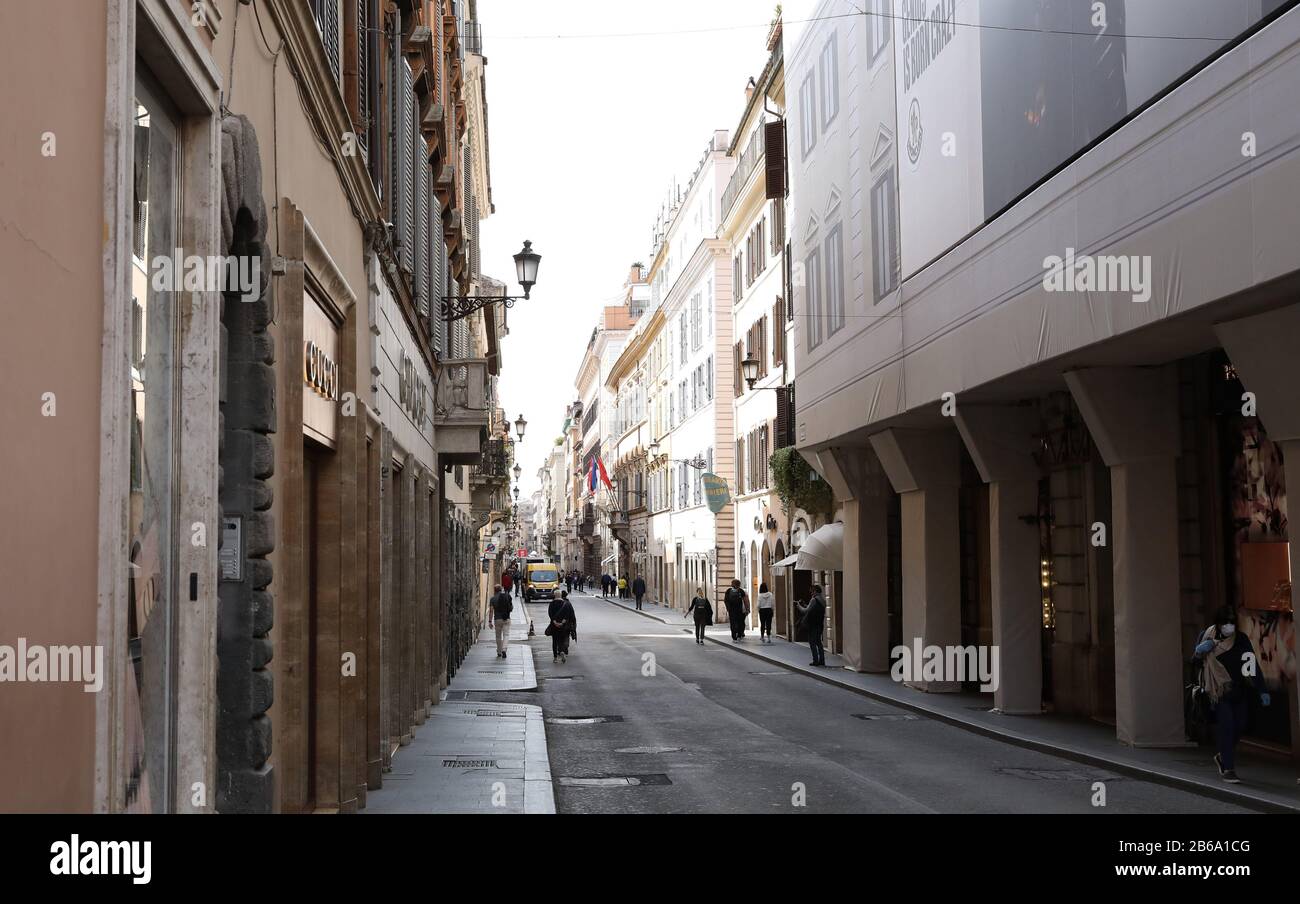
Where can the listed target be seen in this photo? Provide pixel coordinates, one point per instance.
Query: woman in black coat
(564, 624)
(703, 610)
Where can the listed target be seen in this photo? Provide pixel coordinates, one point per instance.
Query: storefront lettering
(321, 372)
(413, 392)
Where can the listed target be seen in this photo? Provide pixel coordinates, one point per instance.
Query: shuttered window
(778, 227)
(737, 388)
(398, 146)
(778, 332)
(775, 166)
(409, 107)
(422, 246)
(326, 14)
(438, 255)
(785, 413)
(741, 489)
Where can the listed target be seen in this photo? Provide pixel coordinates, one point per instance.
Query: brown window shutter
(774, 148)
(778, 332)
(736, 373)
(784, 415)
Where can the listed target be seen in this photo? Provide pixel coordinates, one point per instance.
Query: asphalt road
(706, 729)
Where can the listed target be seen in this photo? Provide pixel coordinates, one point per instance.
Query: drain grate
(774, 674)
(886, 717)
(1057, 775)
(499, 714)
(564, 678)
(469, 764)
(615, 781)
(648, 750)
(582, 720)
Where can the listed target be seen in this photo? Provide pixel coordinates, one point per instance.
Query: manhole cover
(648, 750)
(886, 717)
(614, 781)
(582, 720)
(1057, 775)
(469, 764)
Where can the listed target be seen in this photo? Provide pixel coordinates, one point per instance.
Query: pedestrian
(638, 590)
(703, 610)
(604, 586)
(519, 585)
(737, 603)
(622, 588)
(507, 579)
(563, 626)
(812, 618)
(766, 608)
(1230, 677)
(499, 617)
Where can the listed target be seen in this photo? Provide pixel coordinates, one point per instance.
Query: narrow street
(713, 730)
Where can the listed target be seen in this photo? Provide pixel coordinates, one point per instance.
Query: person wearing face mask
(1229, 674)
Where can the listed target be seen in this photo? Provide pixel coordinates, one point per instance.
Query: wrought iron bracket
(458, 307)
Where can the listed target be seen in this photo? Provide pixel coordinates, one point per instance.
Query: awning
(823, 551)
(608, 559)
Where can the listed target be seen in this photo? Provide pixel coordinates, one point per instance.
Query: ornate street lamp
(749, 368)
(458, 307)
(520, 426)
(519, 472)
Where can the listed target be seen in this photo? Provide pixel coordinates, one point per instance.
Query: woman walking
(703, 610)
(564, 625)
(1230, 675)
(766, 608)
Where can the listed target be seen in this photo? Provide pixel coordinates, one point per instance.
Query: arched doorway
(753, 584)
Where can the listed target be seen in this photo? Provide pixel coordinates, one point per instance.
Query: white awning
(823, 551)
(608, 559)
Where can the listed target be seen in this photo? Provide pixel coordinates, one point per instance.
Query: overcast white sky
(587, 135)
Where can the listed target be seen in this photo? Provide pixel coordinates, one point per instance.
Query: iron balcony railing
(495, 463)
(754, 152)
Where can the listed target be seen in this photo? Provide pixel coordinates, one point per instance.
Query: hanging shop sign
(716, 493)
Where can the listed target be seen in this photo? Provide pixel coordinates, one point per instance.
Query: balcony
(493, 468)
(462, 413)
(754, 152)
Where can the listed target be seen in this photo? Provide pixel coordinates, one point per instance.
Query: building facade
(1043, 352)
(267, 561)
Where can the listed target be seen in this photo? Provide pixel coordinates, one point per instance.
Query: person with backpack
(638, 591)
(703, 610)
(737, 603)
(499, 613)
(563, 626)
(1230, 676)
(812, 618)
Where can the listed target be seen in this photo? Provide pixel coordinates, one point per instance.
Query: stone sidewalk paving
(476, 757)
(1268, 783)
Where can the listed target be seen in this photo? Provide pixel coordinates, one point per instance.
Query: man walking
(812, 618)
(737, 608)
(638, 590)
(501, 609)
(604, 586)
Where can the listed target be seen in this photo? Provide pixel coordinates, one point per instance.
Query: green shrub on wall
(792, 479)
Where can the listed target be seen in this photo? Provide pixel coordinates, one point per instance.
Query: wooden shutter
(778, 226)
(396, 135)
(778, 332)
(774, 149)
(410, 128)
(326, 13)
(421, 281)
(740, 467)
(784, 416)
(764, 434)
(736, 373)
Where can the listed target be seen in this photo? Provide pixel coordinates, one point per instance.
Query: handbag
(550, 629)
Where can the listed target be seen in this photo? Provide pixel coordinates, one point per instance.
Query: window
(778, 227)
(834, 280)
(878, 27)
(885, 263)
(778, 332)
(697, 321)
(708, 310)
(708, 377)
(326, 14)
(740, 468)
(737, 276)
(830, 79)
(813, 290)
(681, 389)
(808, 114)
(681, 336)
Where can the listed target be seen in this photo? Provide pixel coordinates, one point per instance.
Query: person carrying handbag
(703, 610)
(1229, 676)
